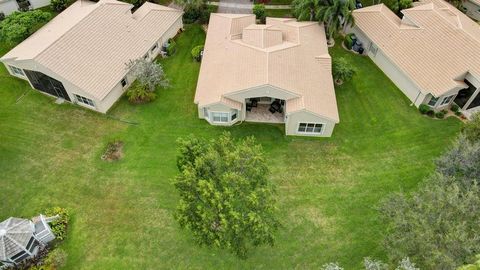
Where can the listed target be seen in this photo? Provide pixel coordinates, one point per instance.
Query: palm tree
(305, 9)
(335, 15)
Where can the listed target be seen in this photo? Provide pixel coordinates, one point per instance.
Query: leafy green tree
(437, 227)
(335, 15)
(149, 74)
(259, 11)
(471, 129)
(305, 10)
(473, 266)
(19, 25)
(342, 70)
(226, 199)
(58, 5)
(462, 163)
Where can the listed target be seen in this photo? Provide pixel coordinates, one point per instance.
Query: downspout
(414, 102)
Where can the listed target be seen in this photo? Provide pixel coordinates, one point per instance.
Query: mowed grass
(122, 212)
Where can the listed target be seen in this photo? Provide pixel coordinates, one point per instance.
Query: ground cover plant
(122, 212)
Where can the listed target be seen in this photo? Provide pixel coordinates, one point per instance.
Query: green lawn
(122, 212)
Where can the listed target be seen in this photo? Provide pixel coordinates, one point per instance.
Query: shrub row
(425, 109)
(349, 41)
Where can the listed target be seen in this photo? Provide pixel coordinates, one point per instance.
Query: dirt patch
(114, 151)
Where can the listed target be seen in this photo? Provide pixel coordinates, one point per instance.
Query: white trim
(311, 133)
(82, 102)
(13, 71)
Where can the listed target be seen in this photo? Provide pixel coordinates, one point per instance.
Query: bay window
(446, 100)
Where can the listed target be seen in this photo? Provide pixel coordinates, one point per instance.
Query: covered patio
(265, 110)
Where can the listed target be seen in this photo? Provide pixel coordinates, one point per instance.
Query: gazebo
(21, 239)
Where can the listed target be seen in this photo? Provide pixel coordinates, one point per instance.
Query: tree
(58, 5)
(471, 129)
(437, 227)
(226, 199)
(19, 25)
(473, 266)
(397, 5)
(461, 163)
(259, 11)
(149, 74)
(335, 15)
(305, 10)
(342, 71)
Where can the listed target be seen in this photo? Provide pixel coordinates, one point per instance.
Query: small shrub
(59, 5)
(259, 11)
(440, 115)
(431, 113)
(349, 41)
(196, 51)
(172, 47)
(458, 113)
(454, 108)
(424, 108)
(139, 94)
(59, 225)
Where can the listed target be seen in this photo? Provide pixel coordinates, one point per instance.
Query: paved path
(234, 6)
(242, 4)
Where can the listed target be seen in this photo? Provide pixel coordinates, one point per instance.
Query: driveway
(235, 6)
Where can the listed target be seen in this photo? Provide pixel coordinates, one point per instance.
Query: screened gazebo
(20, 238)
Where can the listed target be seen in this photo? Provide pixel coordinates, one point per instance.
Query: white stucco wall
(398, 77)
(294, 119)
(8, 6)
(261, 91)
(220, 107)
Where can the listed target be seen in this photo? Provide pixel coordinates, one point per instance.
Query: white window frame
(322, 130)
(16, 71)
(446, 100)
(84, 101)
(212, 117)
(436, 101)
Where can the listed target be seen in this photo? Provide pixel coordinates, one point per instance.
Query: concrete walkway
(242, 4)
(234, 6)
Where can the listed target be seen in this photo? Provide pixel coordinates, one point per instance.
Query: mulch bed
(114, 151)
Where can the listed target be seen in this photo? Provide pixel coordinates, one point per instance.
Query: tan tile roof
(284, 53)
(434, 44)
(89, 43)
